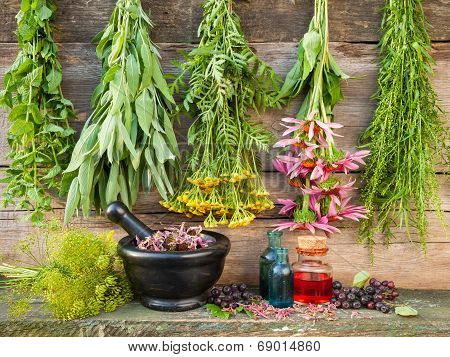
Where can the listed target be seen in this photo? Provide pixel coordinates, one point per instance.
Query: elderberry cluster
(230, 296)
(373, 296)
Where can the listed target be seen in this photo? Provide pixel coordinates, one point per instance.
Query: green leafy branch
(39, 135)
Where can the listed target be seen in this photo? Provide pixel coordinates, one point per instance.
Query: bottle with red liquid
(313, 277)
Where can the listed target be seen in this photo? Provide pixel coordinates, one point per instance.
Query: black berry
(342, 297)
(338, 304)
(346, 305)
(218, 301)
(356, 305)
(351, 297)
(385, 309)
(227, 290)
(370, 290)
(215, 292)
(242, 287)
(337, 285)
(385, 283)
(336, 292)
(347, 291)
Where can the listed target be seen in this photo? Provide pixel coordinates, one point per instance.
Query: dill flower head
(78, 274)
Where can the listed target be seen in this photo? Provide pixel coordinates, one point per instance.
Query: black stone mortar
(168, 281)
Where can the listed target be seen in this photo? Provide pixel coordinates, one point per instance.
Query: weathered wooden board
(273, 27)
(262, 20)
(400, 262)
(134, 320)
(276, 184)
(82, 73)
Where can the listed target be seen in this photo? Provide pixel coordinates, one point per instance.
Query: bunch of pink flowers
(309, 161)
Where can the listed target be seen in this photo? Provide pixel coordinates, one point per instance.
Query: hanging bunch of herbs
(223, 180)
(310, 157)
(77, 274)
(128, 141)
(407, 135)
(39, 134)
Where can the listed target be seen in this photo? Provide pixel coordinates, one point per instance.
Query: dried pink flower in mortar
(174, 239)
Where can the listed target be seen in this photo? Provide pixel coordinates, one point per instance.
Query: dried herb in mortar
(39, 133)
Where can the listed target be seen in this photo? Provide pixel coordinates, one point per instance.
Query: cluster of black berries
(372, 296)
(230, 296)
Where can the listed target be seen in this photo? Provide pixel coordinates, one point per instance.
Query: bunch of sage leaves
(128, 141)
(39, 134)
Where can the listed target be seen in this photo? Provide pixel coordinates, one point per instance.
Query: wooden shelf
(135, 320)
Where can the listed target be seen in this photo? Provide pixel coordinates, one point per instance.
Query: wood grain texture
(135, 320)
(262, 20)
(82, 73)
(273, 28)
(400, 262)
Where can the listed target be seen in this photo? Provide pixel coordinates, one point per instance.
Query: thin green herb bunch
(223, 180)
(77, 274)
(316, 70)
(39, 135)
(407, 135)
(128, 141)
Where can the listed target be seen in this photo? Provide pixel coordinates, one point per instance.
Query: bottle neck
(274, 239)
(312, 259)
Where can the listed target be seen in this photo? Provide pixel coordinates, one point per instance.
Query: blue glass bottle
(281, 281)
(267, 258)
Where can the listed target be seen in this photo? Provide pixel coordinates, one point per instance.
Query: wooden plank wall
(273, 28)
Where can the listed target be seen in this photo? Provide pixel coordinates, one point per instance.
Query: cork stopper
(312, 245)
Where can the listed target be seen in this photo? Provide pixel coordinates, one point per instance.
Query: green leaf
(117, 87)
(145, 55)
(53, 172)
(159, 183)
(26, 32)
(54, 79)
(405, 311)
(25, 66)
(87, 142)
(44, 13)
(52, 128)
(21, 127)
(160, 80)
(73, 198)
(312, 45)
(133, 73)
(25, 5)
(216, 311)
(361, 278)
(36, 113)
(18, 111)
(124, 196)
(126, 138)
(112, 187)
(111, 73)
(144, 111)
(117, 45)
(162, 151)
(106, 134)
